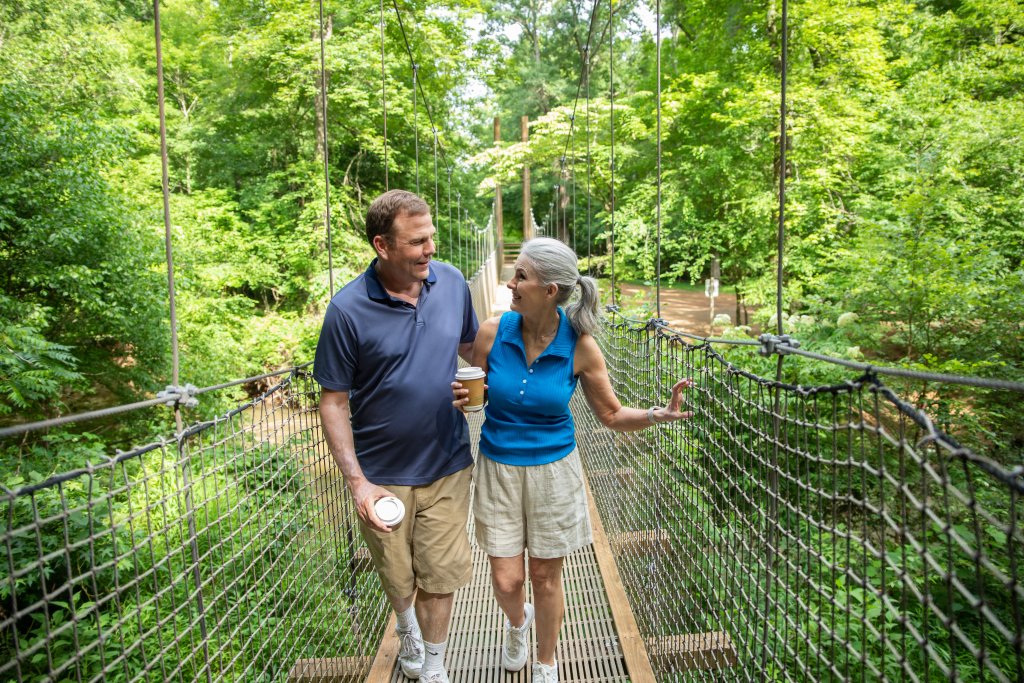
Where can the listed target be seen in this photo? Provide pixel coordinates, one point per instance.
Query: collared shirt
(397, 362)
(528, 418)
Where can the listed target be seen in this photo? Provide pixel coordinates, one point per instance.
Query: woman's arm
(481, 349)
(484, 342)
(597, 387)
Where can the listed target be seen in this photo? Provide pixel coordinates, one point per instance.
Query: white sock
(434, 661)
(407, 620)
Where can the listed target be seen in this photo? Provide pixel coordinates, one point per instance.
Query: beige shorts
(539, 507)
(429, 549)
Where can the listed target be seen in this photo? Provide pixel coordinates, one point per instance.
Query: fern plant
(32, 369)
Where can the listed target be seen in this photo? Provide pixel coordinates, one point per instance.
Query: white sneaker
(542, 673)
(514, 652)
(435, 677)
(411, 653)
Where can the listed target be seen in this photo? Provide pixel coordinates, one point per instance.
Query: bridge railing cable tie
(184, 396)
(781, 344)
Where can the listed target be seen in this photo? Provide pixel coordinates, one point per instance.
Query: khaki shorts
(539, 507)
(429, 549)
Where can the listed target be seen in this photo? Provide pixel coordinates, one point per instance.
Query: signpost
(711, 288)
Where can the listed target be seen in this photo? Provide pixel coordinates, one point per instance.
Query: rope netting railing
(227, 553)
(839, 537)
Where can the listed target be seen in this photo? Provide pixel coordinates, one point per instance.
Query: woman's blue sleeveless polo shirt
(528, 418)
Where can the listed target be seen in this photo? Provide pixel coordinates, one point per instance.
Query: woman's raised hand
(671, 412)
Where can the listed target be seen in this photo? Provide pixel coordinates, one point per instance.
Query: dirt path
(684, 310)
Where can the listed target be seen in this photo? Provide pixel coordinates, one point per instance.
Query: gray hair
(555, 264)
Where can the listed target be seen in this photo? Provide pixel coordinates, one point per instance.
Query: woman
(529, 492)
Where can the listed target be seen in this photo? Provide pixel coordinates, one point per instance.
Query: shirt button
(524, 381)
(531, 370)
(520, 393)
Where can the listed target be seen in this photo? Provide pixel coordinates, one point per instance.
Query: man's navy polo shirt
(397, 362)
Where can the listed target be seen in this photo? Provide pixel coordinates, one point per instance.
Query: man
(385, 360)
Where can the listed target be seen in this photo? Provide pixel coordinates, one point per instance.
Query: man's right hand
(365, 494)
(335, 416)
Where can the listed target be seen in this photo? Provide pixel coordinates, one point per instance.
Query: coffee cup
(390, 510)
(472, 378)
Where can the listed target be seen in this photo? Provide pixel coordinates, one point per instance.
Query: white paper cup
(389, 510)
(472, 378)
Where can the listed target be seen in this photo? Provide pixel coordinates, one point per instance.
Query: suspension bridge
(787, 532)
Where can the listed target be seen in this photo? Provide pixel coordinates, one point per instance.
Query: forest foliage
(904, 170)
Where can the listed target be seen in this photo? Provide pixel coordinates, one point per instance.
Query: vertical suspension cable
(435, 171)
(590, 226)
(349, 535)
(561, 189)
(327, 177)
(384, 96)
(783, 141)
(470, 246)
(416, 123)
(611, 118)
(771, 536)
(659, 339)
(166, 189)
(166, 192)
(451, 244)
(572, 175)
(657, 48)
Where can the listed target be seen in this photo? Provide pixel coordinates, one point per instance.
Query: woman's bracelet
(650, 414)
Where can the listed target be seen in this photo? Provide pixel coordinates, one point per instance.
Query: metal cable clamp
(780, 344)
(183, 396)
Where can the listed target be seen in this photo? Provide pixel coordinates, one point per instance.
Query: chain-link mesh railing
(803, 534)
(230, 553)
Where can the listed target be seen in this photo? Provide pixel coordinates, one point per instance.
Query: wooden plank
(330, 670)
(644, 542)
(387, 655)
(622, 475)
(691, 651)
(361, 560)
(634, 650)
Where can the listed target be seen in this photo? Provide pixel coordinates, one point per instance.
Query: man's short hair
(380, 217)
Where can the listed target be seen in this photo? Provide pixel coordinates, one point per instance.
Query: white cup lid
(470, 373)
(389, 510)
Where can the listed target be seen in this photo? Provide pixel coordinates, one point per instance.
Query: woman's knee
(507, 585)
(545, 573)
(508, 577)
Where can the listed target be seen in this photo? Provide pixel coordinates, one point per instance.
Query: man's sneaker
(435, 677)
(410, 652)
(542, 673)
(514, 652)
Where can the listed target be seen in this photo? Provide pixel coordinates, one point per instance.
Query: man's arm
(466, 352)
(335, 416)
